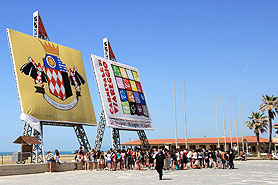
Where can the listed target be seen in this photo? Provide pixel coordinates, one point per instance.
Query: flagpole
(241, 128)
(175, 115)
(230, 123)
(225, 147)
(218, 145)
(185, 118)
(236, 130)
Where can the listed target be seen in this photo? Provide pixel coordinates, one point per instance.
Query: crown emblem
(50, 48)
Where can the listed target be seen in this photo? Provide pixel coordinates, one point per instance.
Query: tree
(269, 104)
(258, 122)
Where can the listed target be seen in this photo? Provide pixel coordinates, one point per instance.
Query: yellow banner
(51, 80)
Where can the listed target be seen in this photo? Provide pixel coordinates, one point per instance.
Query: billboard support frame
(100, 131)
(108, 54)
(115, 133)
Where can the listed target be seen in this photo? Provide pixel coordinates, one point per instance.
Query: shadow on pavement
(167, 179)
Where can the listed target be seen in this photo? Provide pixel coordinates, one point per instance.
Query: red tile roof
(209, 140)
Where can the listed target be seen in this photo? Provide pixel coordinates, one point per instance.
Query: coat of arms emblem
(56, 74)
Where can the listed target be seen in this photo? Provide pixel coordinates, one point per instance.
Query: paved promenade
(246, 172)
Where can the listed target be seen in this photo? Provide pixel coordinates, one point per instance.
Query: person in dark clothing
(159, 161)
(231, 159)
(129, 158)
(151, 158)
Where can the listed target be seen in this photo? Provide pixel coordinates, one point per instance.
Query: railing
(22, 158)
(6, 159)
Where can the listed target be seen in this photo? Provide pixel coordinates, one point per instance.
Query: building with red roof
(211, 142)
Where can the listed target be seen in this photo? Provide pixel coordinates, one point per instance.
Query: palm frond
(258, 122)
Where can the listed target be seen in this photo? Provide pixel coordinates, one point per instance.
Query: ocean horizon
(104, 148)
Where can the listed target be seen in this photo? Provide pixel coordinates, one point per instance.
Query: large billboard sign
(51, 80)
(122, 95)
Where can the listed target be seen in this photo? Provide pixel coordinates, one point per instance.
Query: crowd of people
(137, 159)
(128, 159)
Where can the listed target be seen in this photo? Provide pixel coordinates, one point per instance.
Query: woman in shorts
(114, 161)
(57, 159)
(101, 160)
(50, 160)
(86, 160)
(92, 158)
(123, 158)
(97, 156)
(109, 160)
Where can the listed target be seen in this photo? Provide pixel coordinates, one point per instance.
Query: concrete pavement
(246, 172)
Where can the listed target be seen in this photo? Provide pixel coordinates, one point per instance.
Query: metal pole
(2, 160)
(185, 118)
(42, 145)
(37, 156)
(236, 130)
(175, 115)
(241, 127)
(225, 147)
(230, 123)
(218, 145)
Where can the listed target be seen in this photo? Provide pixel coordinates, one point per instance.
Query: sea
(104, 148)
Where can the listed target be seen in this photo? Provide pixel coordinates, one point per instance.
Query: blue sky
(218, 47)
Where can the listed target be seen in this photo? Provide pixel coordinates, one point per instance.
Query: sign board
(108, 53)
(51, 80)
(122, 95)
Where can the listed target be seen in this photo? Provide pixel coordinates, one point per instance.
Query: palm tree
(269, 104)
(258, 122)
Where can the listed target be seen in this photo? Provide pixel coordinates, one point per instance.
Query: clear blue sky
(224, 47)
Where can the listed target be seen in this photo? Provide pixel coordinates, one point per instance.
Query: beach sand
(7, 160)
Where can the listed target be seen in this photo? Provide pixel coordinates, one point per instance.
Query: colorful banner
(122, 95)
(51, 80)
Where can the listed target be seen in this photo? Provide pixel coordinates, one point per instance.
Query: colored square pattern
(127, 84)
(131, 93)
(139, 88)
(135, 75)
(136, 97)
(129, 74)
(133, 86)
(123, 72)
(126, 108)
(123, 95)
(120, 83)
(130, 96)
(116, 71)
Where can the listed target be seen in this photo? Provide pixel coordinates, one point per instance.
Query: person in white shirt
(109, 161)
(50, 160)
(189, 156)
